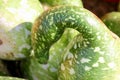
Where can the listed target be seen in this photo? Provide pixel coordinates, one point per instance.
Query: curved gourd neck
(49, 27)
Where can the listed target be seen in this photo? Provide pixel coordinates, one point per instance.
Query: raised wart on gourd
(71, 71)
(85, 60)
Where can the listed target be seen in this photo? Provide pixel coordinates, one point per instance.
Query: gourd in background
(16, 18)
(95, 53)
(112, 21)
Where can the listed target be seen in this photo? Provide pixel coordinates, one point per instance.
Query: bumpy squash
(92, 55)
(31, 67)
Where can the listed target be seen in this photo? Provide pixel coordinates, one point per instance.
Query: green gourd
(93, 55)
(31, 67)
(112, 21)
(16, 18)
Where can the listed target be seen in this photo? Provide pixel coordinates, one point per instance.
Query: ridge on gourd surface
(62, 2)
(91, 57)
(16, 18)
(112, 21)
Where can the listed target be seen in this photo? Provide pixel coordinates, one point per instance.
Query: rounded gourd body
(16, 18)
(112, 21)
(89, 55)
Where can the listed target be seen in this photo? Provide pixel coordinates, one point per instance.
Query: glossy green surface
(88, 57)
(112, 21)
(62, 2)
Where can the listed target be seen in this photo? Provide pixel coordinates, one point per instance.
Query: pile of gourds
(58, 40)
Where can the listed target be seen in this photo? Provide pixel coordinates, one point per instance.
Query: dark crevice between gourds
(1, 42)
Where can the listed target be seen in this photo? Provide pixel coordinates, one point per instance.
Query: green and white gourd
(93, 55)
(16, 18)
(31, 67)
(112, 21)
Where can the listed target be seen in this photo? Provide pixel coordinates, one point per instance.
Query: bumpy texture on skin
(89, 56)
(112, 21)
(16, 18)
(32, 69)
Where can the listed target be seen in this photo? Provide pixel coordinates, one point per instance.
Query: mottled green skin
(62, 2)
(32, 69)
(94, 55)
(10, 78)
(16, 18)
(112, 21)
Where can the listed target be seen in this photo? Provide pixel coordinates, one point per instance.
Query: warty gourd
(93, 55)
